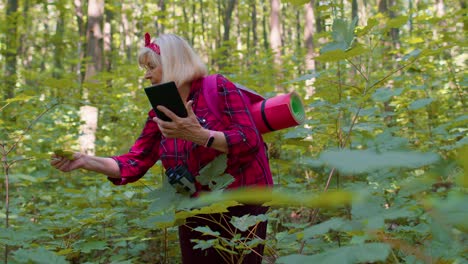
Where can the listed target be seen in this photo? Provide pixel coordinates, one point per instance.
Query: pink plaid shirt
(243, 139)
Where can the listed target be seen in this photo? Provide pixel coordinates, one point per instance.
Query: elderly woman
(191, 143)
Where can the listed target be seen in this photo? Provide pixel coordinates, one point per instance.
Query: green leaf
(243, 223)
(221, 182)
(420, 103)
(204, 208)
(258, 195)
(204, 244)
(365, 253)
(397, 22)
(371, 23)
(161, 221)
(206, 231)
(213, 170)
(164, 198)
(338, 54)
(90, 245)
(25, 235)
(385, 94)
(361, 161)
(342, 34)
(298, 2)
(323, 228)
(38, 256)
(451, 211)
(19, 98)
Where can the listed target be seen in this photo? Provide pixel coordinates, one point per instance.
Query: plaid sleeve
(241, 135)
(142, 155)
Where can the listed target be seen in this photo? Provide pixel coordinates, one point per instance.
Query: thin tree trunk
(227, 19)
(363, 12)
(58, 43)
(309, 31)
(463, 7)
(354, 9)
(108, 44)
(12, 49)
(94, 35)
(266, 45)
(193, 24)
(81, 30)
(202, 22)
(160, 26)
(275, 30)
(253, 18)
(89, 114)
(125, 31)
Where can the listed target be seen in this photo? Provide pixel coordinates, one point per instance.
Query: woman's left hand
(186, 128)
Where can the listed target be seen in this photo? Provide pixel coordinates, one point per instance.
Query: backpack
(271, 114)
(249, 97)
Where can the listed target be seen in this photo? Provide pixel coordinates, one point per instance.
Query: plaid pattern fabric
(244, 142)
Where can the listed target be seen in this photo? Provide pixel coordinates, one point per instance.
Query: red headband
(151, 45)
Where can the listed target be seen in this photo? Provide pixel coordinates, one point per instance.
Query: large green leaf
(258, 195)
(213, 174)
(206, 231)
(451, 211)
(244, 222)
(365, 253)
(38, 256)
(343, 35)
(337, 54)
(384, 94)
(361, 161)
(324, 227)
(90, 245)
(420, 103)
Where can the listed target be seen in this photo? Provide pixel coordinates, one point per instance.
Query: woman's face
(153, 74)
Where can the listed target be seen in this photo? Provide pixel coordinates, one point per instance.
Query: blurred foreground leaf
(365, 253)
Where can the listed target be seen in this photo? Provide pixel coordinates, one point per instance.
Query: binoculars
(181, 179)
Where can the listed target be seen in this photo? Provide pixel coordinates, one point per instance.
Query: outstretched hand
(187, 128)
(67, 164)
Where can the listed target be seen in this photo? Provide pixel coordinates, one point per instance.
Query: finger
(54, 158)
(167, 112)
(189, 108)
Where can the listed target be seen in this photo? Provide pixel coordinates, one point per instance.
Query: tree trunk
(202, 22)
(309, 44)
(463, 7)
(309, 35)
(89, 114)
(94, 36)
(160, 26)
(264, 26)
(275, 30)
(253, 18)
(81, 30)
(354, 9)
(227, 19)
(11, 48)
(58, 43)
(384, 7)
(108, 44)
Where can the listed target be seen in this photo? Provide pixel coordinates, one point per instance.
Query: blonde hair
(179, 61)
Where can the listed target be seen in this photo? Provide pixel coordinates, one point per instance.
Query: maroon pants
(213, 221)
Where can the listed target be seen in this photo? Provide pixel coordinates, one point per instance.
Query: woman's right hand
(65, 164)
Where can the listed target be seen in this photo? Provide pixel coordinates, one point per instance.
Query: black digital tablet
(166, 94)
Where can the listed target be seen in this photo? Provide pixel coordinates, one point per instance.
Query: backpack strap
(210, 92)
